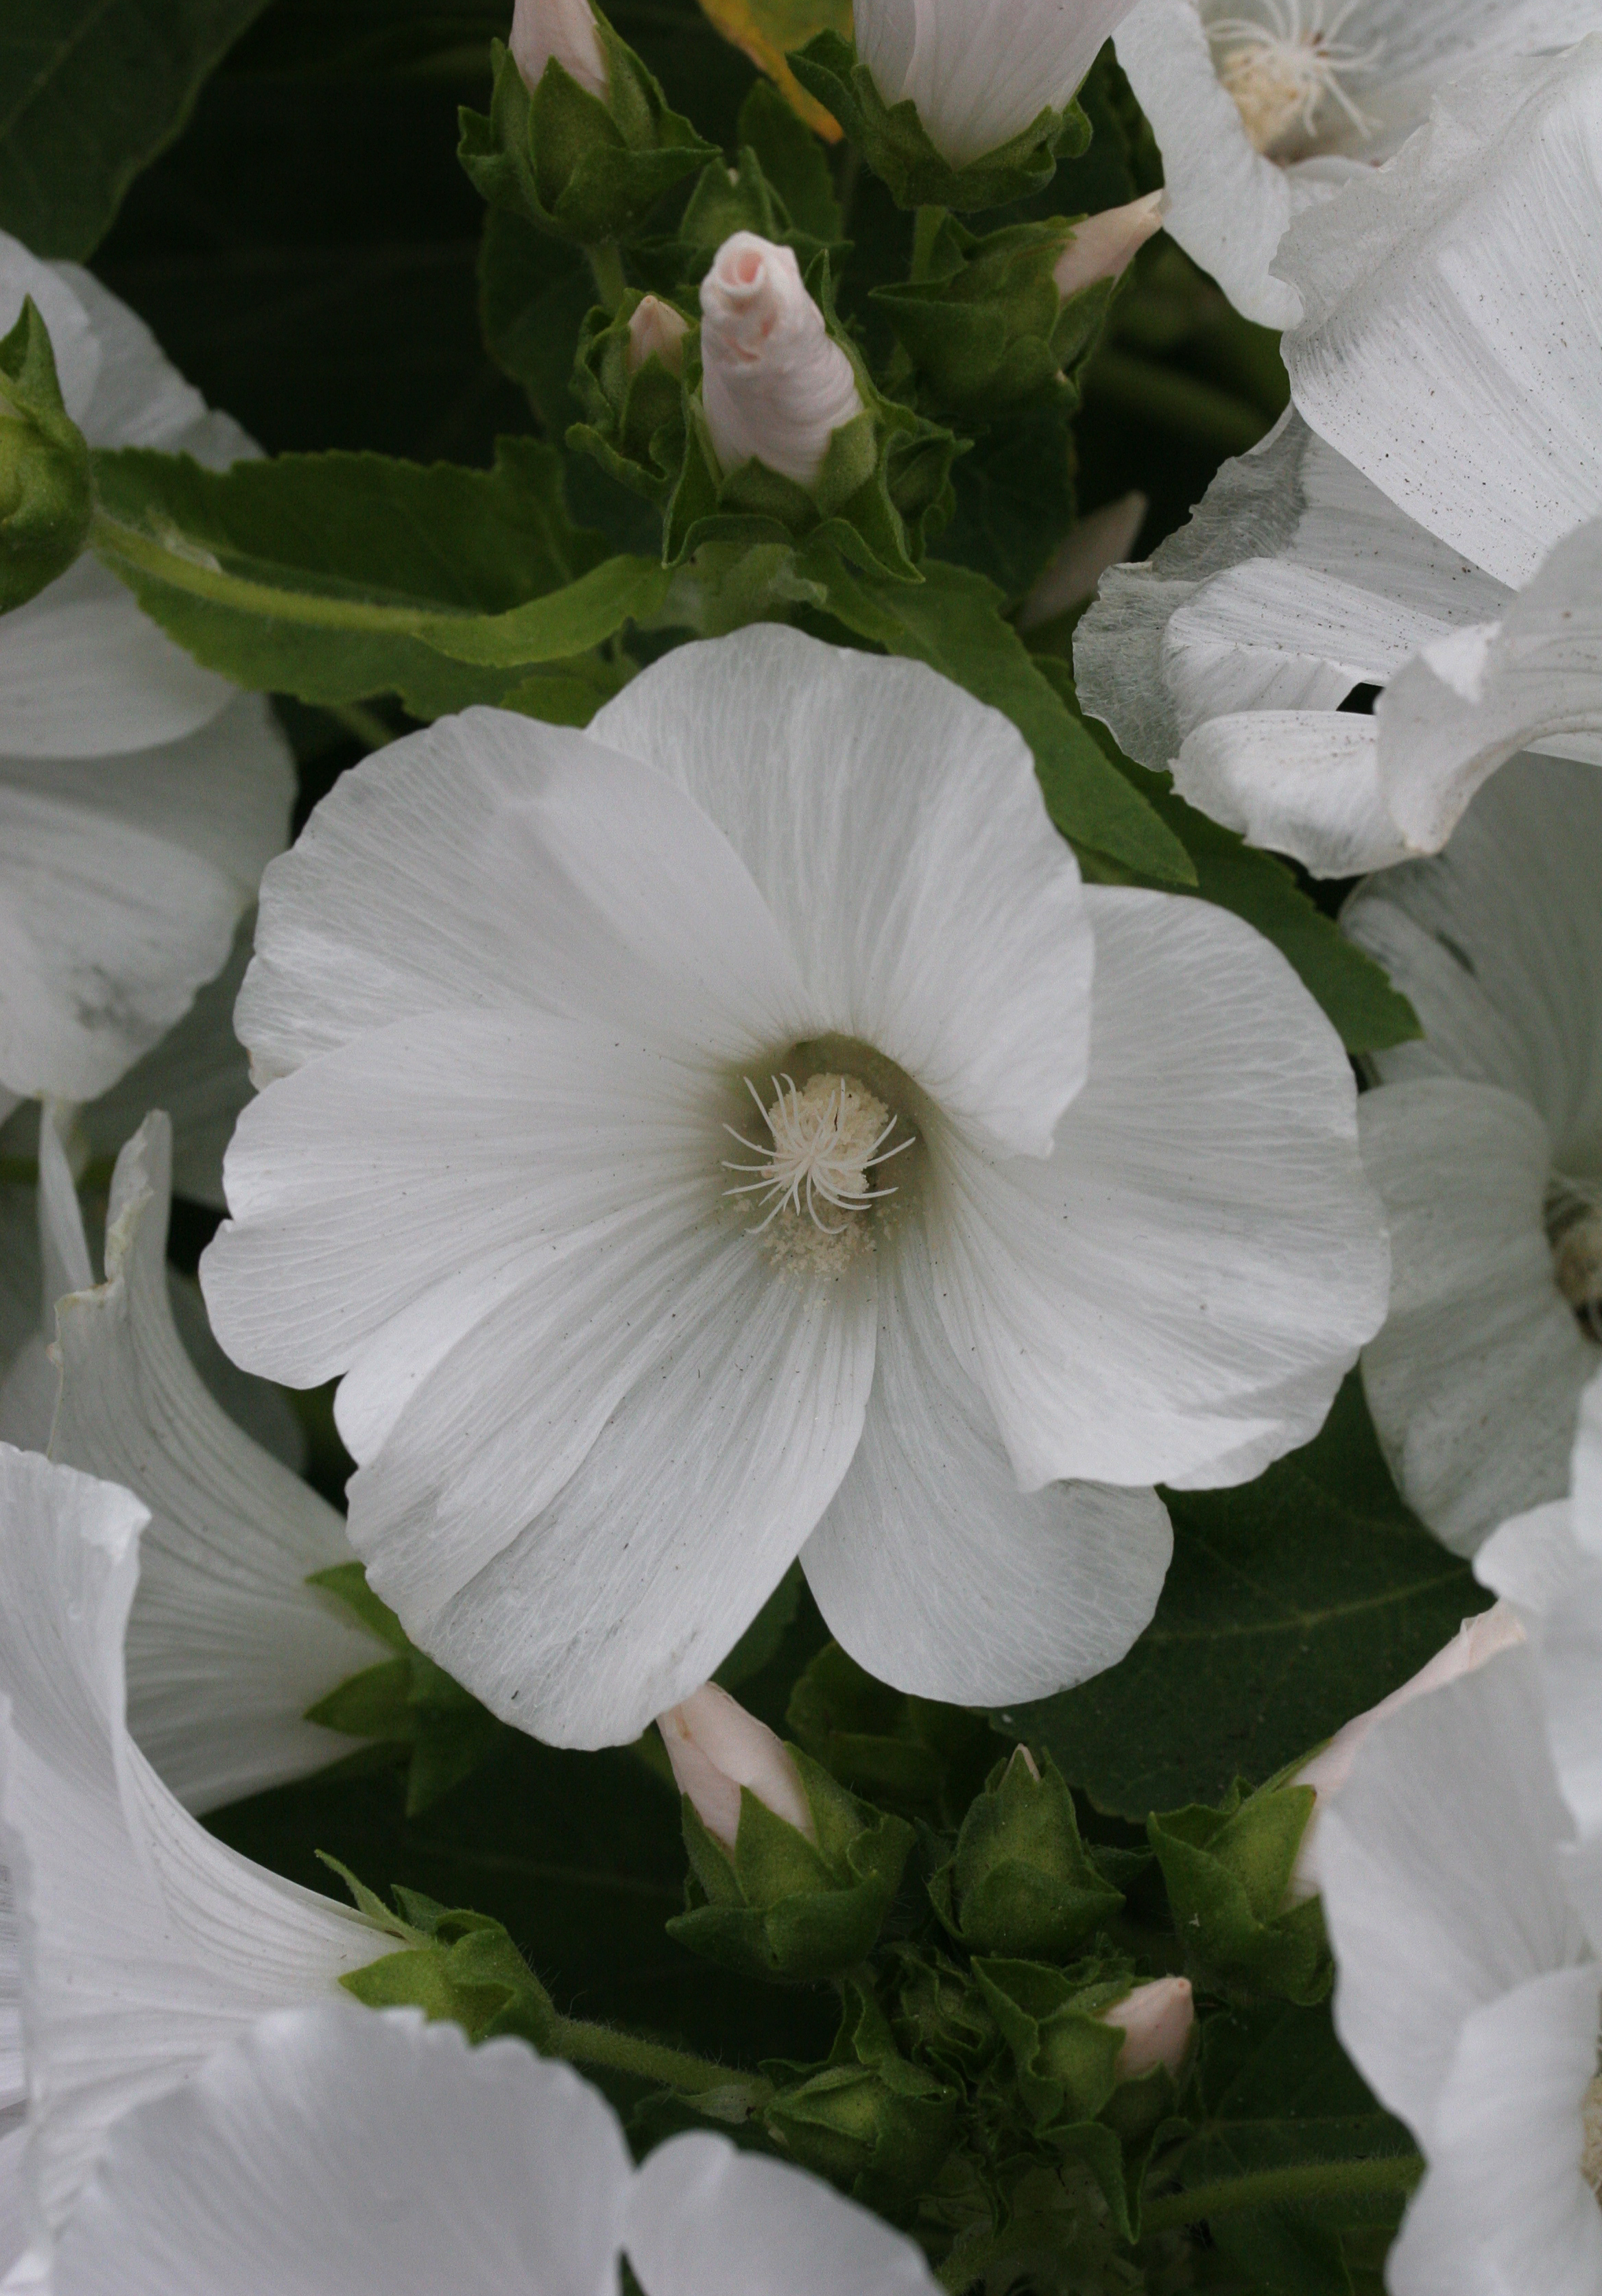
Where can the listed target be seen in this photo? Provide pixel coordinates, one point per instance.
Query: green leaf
(909, 1753)
(90, 91)
(534, 294)
(792, 158)
(952, 620)
(1291, 1605)
(333, 577)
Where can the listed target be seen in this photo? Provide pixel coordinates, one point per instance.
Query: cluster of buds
(46, 496)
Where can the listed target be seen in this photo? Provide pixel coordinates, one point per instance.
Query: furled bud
(981, 71)
(715, 1748)
(774, 384)
(656, 331)
(1105, 538)
(1157, 2021)
(564, 29)
(1476, 1640)
(1019, 1881)
(46, 494)
(1104, 245)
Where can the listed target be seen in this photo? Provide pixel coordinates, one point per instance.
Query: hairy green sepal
(47, 494)
(1228, 1870)
(873, 2123)
(1019, 1881)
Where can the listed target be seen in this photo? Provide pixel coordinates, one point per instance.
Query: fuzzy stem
(607, 265)
(1265, 2188)
(584, 2044)
(362, 723)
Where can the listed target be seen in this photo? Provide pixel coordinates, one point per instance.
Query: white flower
(981, 71)
(145, 1945)
(1159, 2020)
(562, 30)
(140, 795)
(1485, 1143)
(656, 331)
(1264, 108)
(696, 1141)
(1104, 245)
(716, 1749)
(335, 2149)
(774, 384)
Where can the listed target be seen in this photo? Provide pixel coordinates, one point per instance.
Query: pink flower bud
(1158, 2020)
(563, 28)
(1104, 538)
(1476, 1640)
(656, 331)
(774, 383)
(716, 1748)
(1104, 245)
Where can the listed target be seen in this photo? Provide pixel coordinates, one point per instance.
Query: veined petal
(704, 2219)
(929, 905)
(228, 1647)
(1440, 1864)
(494, 863)
(140, 399)
(1447, 344)
(84, 673)
(981, 73)
(1175, 1297)
(934, 1571)
(1475, 1378)
(145, 1944)
(1300, 782)
(374, 2155)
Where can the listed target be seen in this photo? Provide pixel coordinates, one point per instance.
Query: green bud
(940, 2016)
(894, 142)
(1227, 1872)
(1064, 2055)
(627, 378)
(778, 1905)
(46, 492)
(451, 1965)
(1021, 1880)
(872, 2123)
(586, 168)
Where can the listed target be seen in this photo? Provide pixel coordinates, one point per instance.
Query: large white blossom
(981, 71)
(145, 1944)
(140, 795)
(338, 2149)
(1485, 1143)
(1265, 108)
(701, 1141)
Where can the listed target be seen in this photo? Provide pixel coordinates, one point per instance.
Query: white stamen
(826, 1137)
(1281, 72)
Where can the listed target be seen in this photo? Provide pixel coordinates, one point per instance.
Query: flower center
(1285, 69)
(1573, 1219)
(825, 1140)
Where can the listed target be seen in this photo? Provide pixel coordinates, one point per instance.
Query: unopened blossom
(1159, 2020)
(1101, 540)
(656, 331)
(716, 1749)
(144, 1944)
(981, 71)
(775, 383)
(1485, 1143)
(564, 31)
(702, 1140)
(337, 2149)
(1104, 245)
(140, 795)
(1265, 108)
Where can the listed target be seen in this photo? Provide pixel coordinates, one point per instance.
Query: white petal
(1472, 701)
(934, 1571)
(1175, 1297)
(84, 673)
(140, 397)
(145, 1944)
(494, 861)
(227, 1646)
(1442, 1888)
(1447, 342)
(72, 336)
(13, 2195)
(896, 828)
(1475, 1380)
(1504, 2206)
(980, 71)
(1300, 782)
(121, 880)
(1227, 206)
(706, 2220)
(333, 2149)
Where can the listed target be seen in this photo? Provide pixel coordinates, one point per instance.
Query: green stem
(364, 724)
(1266, 2188)
(607, 265)
(195, 572)
(925, 230)
(583, 2044)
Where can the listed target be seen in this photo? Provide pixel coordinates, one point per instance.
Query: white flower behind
(140, 795)
(515, 994)
(1265, 108)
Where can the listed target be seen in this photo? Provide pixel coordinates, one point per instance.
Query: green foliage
(1228, 1872)
(893, 141)
(909, 1753)
(1019, 1881)
(982, 320)
(1291, 1605)
(871, 2121)
(46, 498)
(90, 91)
